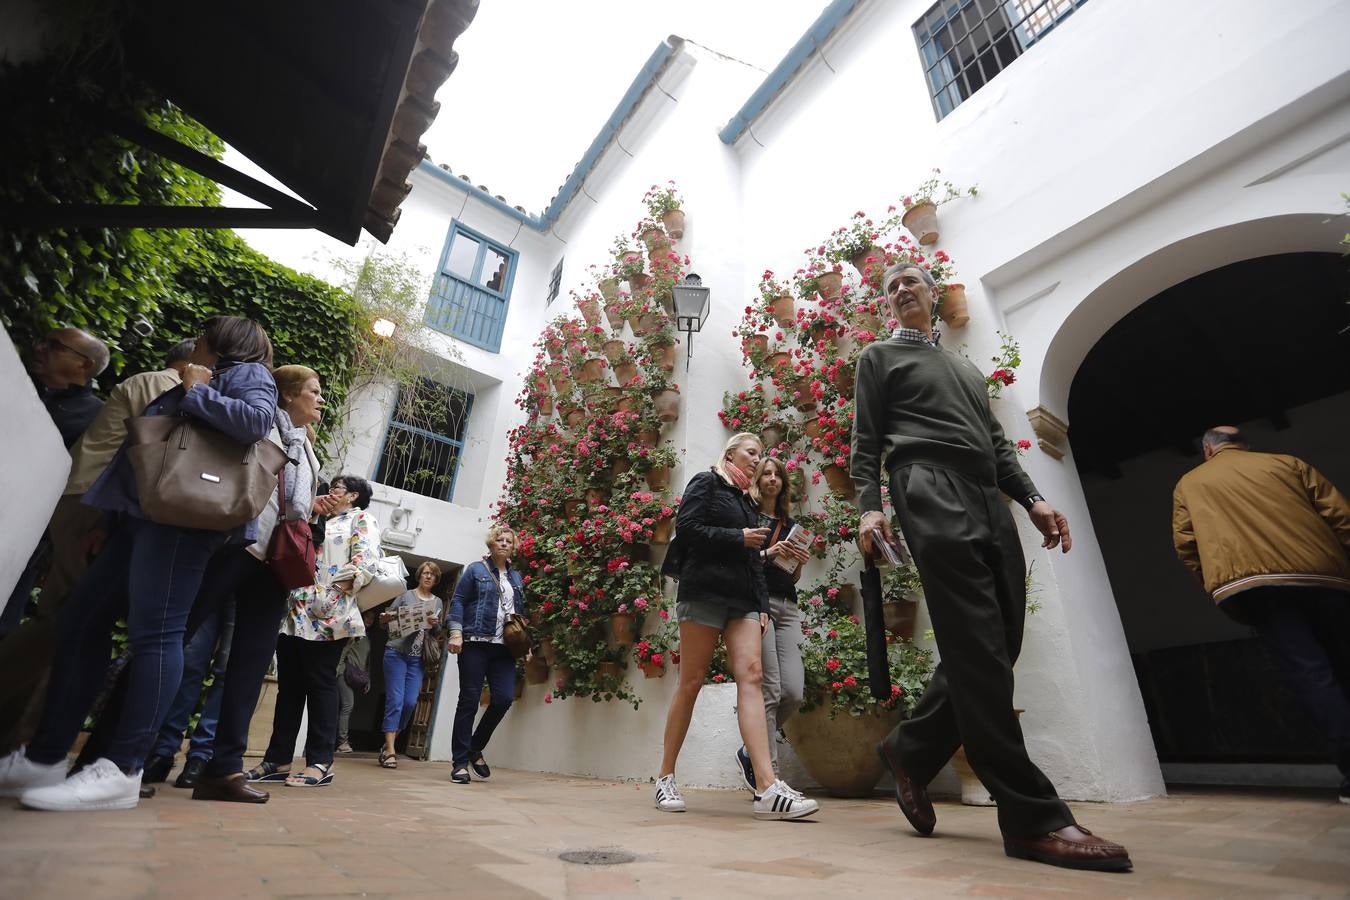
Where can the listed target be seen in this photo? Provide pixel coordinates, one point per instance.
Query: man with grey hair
(1269, 538)
(923, 418)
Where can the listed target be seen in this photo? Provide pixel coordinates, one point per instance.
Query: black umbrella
(878, 667)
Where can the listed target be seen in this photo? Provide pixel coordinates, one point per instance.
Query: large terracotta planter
(830, 284)
(590, 310)
(674, 223)
(840, 753)
(953, 309)
(668, 405)
(609, 289)
(613, 349)
(638, 281)
(658, 477)
(661, 531)
(622, 630)
(783, 310)
(922, 222)
(899, 617)
(839, 481)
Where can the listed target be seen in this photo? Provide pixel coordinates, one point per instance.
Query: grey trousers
(781, 658)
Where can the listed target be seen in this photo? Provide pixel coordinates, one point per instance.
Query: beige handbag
(191, 475)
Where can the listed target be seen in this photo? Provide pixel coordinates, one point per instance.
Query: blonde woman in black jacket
(722, 593)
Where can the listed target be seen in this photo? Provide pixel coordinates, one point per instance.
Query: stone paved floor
(410, 833)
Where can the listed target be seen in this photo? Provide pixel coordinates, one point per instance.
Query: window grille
(425, 439)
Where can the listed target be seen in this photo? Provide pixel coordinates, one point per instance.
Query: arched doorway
(1264, 344)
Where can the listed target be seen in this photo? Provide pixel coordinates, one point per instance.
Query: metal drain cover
(597, 857)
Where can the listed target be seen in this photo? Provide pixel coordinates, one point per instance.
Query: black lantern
(691, 308)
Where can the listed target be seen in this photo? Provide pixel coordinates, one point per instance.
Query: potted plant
(859, 242)
(920, 215)
(652, 652)
(746, 410)
(776, 298)
(663, 203)
(1006, 362)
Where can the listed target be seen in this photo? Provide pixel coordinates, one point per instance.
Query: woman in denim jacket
(150, 574)
(488, 592)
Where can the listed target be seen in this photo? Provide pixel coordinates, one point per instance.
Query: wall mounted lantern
(691, 308)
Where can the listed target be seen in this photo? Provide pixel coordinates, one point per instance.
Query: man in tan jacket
(1269, 537)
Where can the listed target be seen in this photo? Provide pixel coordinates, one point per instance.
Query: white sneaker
(782, 802)
(98, 786)
(668, 797)
(18, 773)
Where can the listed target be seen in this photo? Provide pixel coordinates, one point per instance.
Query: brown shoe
(912, 798)
(1073, 847)
(230, 788)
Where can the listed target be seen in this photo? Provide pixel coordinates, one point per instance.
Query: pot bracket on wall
(1052, 433)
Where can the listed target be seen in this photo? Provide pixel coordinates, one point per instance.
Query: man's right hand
(754, 537)
(873, 519)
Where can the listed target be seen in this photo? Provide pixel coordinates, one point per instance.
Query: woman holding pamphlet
(781, 653)
(409, 620)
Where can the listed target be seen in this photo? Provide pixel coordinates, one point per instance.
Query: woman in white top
(318, 623)
(488, 592)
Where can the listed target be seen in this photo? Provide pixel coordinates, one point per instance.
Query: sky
(537, 78)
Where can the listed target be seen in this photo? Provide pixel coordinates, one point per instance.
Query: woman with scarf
(722, 593)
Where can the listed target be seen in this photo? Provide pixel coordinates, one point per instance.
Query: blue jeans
(402, 682)
(199, 655)
(150, 573)
(479, 661)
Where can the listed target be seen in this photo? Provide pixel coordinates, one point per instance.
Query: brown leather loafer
(1082, 850)
(229, 788)
(912, 798)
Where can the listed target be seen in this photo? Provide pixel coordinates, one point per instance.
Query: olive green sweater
(919, 403)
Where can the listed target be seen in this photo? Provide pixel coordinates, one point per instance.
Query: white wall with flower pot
(1134, 146)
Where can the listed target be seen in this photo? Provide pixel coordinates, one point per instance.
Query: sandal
(388, 760)
(303, 780)
(268, 771)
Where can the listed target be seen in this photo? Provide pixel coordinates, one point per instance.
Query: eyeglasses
(52, 343)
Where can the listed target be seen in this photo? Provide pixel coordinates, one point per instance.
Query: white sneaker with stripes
(668, 797)
(782, 802)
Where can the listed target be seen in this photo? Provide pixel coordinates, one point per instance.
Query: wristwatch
(1031, 500)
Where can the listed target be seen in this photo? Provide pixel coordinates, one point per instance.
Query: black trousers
(306, 671)
(1308, 631)
(966, 548)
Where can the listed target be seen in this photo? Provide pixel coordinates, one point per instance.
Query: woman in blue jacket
(488, 592)
(149, 573)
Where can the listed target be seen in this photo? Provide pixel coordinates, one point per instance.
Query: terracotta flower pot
(778, 360)
(755, 345)
(609, 673)
(878, 257)
(638, 281)
(899, 617)
(922, 222)
(844, 378)
(609, 289)
(772, 435)
(615, 317)
(620, 465)
(658, 477)
(668, 405)
(536, 670)
(840, 753)
(652, 670)
(626, 402)
(590, 310)
(625, 371)
(667, 358)
(869, 322)
(674, 223)
(592, 370)
(953, 309)
(562, 677)
(573, 509)
(622, 630)
(661, 531)
(562, 386)
(847, 598)
(547, 651)
(649, 437)
(812, 427)
(800, 390)
(573, 415)
(783, 310)
(839, 481)
(830, 284)
(645, 324)
(613, 349)
(545, 405)
(596, 497)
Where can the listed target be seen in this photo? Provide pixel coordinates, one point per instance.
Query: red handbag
(290, 553)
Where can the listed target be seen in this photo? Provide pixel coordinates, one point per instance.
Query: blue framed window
(965, 43)
(424, 441)
(472, 288)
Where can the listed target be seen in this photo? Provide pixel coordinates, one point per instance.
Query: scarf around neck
(738, 476)
(300, 481)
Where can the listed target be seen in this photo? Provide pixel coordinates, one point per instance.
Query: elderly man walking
(923, 419)
(1269, 537)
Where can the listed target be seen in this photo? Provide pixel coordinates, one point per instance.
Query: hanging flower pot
(830, 284)
(544, 406)
(622, 630)
(779, 360)
(547, 651)
(800, 391)
(536, 670)
(614, 396)
(668, 404)
(654, 670)
(620, 465)
(614, 315)
(596, 497)
(609, 289)
(869, 322)
(625, 403)
(772, 435)
(649, 437)
(562, 386)
(667, 358)
(839, 481)
(921, 220)
(592, 370)
(755, 346)
(953, 309)
(873, 258)
(573, 509)
(590, 310)
(613, 349)
(673, 220)
(562, 677)
(610, 673)
(783, 310)
(658, 250)
(845, 343)
(573, 415)
(899, 617)
(638, 281)
(625, 371)
(812, 427)
(646, 324)
(661, 531)
(844, 377)
(658, 477)
(847, 598)
(667, 301)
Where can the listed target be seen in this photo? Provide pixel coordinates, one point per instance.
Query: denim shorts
(706, 612)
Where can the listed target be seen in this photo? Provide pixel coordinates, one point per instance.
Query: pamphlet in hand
(890, 554)
(799, 536)
(412, 618)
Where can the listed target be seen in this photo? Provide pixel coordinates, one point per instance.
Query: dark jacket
(71, 409)
(240, 401)
(473, 608)
(714, 565)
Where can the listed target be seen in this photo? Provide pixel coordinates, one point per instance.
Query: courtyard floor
(411, 833)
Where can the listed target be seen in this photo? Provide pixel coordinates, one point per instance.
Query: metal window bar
(416, 460)
(964, 44)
